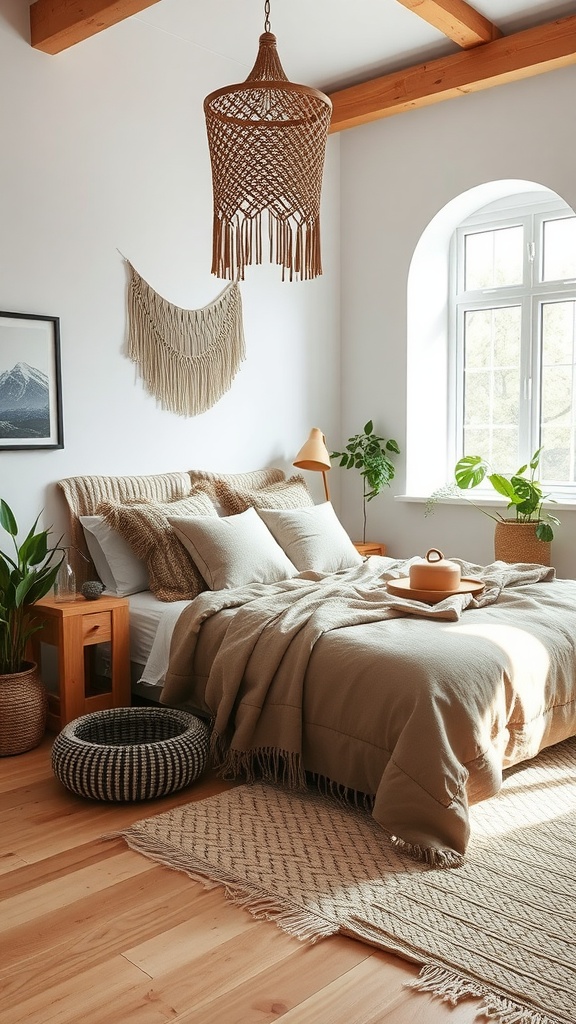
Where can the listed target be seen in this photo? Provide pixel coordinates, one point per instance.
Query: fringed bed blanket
(416, 708)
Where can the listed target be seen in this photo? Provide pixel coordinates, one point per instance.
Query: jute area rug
(502, 927)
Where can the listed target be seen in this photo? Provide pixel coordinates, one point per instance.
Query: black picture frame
(30, 382)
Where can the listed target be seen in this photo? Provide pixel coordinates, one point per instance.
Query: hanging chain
(266, 15)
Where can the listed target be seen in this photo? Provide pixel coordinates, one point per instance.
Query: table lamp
(314, 455)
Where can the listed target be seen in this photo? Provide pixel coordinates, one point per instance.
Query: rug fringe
(452, 987)
(297, 922)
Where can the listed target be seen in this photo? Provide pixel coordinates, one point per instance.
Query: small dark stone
(92, 589)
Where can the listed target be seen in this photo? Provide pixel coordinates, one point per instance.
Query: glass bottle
(65, 583)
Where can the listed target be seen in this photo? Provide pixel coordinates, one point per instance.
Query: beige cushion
(116, 564)
(313, 538)
(232, 551)
(282, 494)
(250, 479)
(145, 526)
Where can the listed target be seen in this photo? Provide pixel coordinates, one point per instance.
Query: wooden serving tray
(401, 588)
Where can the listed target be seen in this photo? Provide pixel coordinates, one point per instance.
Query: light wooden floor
(93, 933)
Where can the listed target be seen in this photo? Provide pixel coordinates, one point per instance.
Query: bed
(309, 668)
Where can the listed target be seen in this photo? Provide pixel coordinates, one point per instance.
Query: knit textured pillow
(284, 494)
(145, 526)
(254, 479)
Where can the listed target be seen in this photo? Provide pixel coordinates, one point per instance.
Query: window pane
(492, 385)
(559, 260)
(558, 411)
(493, 259)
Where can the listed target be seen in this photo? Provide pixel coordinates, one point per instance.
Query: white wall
(103, 148)
(396, 174)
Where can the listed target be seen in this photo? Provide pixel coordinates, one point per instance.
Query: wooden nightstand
(369, 547)
(73, 627)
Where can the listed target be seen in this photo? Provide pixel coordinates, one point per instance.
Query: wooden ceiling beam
(455, 19)
(56, 25)
(509, 59)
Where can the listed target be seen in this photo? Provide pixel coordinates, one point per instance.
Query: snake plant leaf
(7, 520)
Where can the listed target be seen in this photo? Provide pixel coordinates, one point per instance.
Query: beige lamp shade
(314, 455)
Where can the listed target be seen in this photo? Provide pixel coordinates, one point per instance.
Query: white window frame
(530, 212)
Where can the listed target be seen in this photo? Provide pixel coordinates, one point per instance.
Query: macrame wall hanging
(187, 358)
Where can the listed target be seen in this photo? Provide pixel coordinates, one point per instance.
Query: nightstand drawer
(96, 628)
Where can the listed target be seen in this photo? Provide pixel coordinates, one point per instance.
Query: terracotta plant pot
(23, 709)
(517, 542)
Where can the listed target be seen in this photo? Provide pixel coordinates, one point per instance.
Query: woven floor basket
(517, 542)
(130, 753)
(23, 708)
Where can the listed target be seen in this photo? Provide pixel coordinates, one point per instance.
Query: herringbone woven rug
(502, 927)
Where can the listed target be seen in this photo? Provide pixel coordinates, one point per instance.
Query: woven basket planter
(23, 709)
(517, 542)
(125, 754)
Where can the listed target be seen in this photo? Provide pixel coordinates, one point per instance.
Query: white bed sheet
(151, 626)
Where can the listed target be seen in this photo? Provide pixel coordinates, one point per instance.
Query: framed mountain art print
(30, 382)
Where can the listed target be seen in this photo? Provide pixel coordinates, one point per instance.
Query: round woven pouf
(130, 753)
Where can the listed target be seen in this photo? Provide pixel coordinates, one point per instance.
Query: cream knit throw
(187, 358)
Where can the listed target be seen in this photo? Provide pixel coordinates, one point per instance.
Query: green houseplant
(525, 497)
(25, 576)
(370, 454)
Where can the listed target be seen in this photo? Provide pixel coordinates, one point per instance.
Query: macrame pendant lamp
(267, 139)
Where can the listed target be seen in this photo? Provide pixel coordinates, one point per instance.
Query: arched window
(512, 337)
(492, 354)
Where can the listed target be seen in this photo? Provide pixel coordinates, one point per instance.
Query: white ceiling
(331, 44)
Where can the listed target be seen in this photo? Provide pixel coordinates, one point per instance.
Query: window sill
(560, 505)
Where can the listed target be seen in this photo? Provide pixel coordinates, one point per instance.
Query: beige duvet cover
(417, 707)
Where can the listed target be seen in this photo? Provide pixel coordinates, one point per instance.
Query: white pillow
(312, 537)
(231, 551)
(116, 564)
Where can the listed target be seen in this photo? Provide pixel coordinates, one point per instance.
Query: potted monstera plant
(26, 575)
(526, 534)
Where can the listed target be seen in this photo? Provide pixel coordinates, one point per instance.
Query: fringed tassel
(451, 987)
(293, 246)
(263, 763)
(343, 794)
(187, 358)
(506, 1011)
(447, 985)
(429, 854)
(303, 926)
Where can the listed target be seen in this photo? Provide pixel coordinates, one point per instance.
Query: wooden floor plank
(62, 892)
(24, 875)
(77, 999)
(269, 994)
(94, 929)
(175, 948)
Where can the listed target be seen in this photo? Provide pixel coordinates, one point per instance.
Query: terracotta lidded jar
(435, 572)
